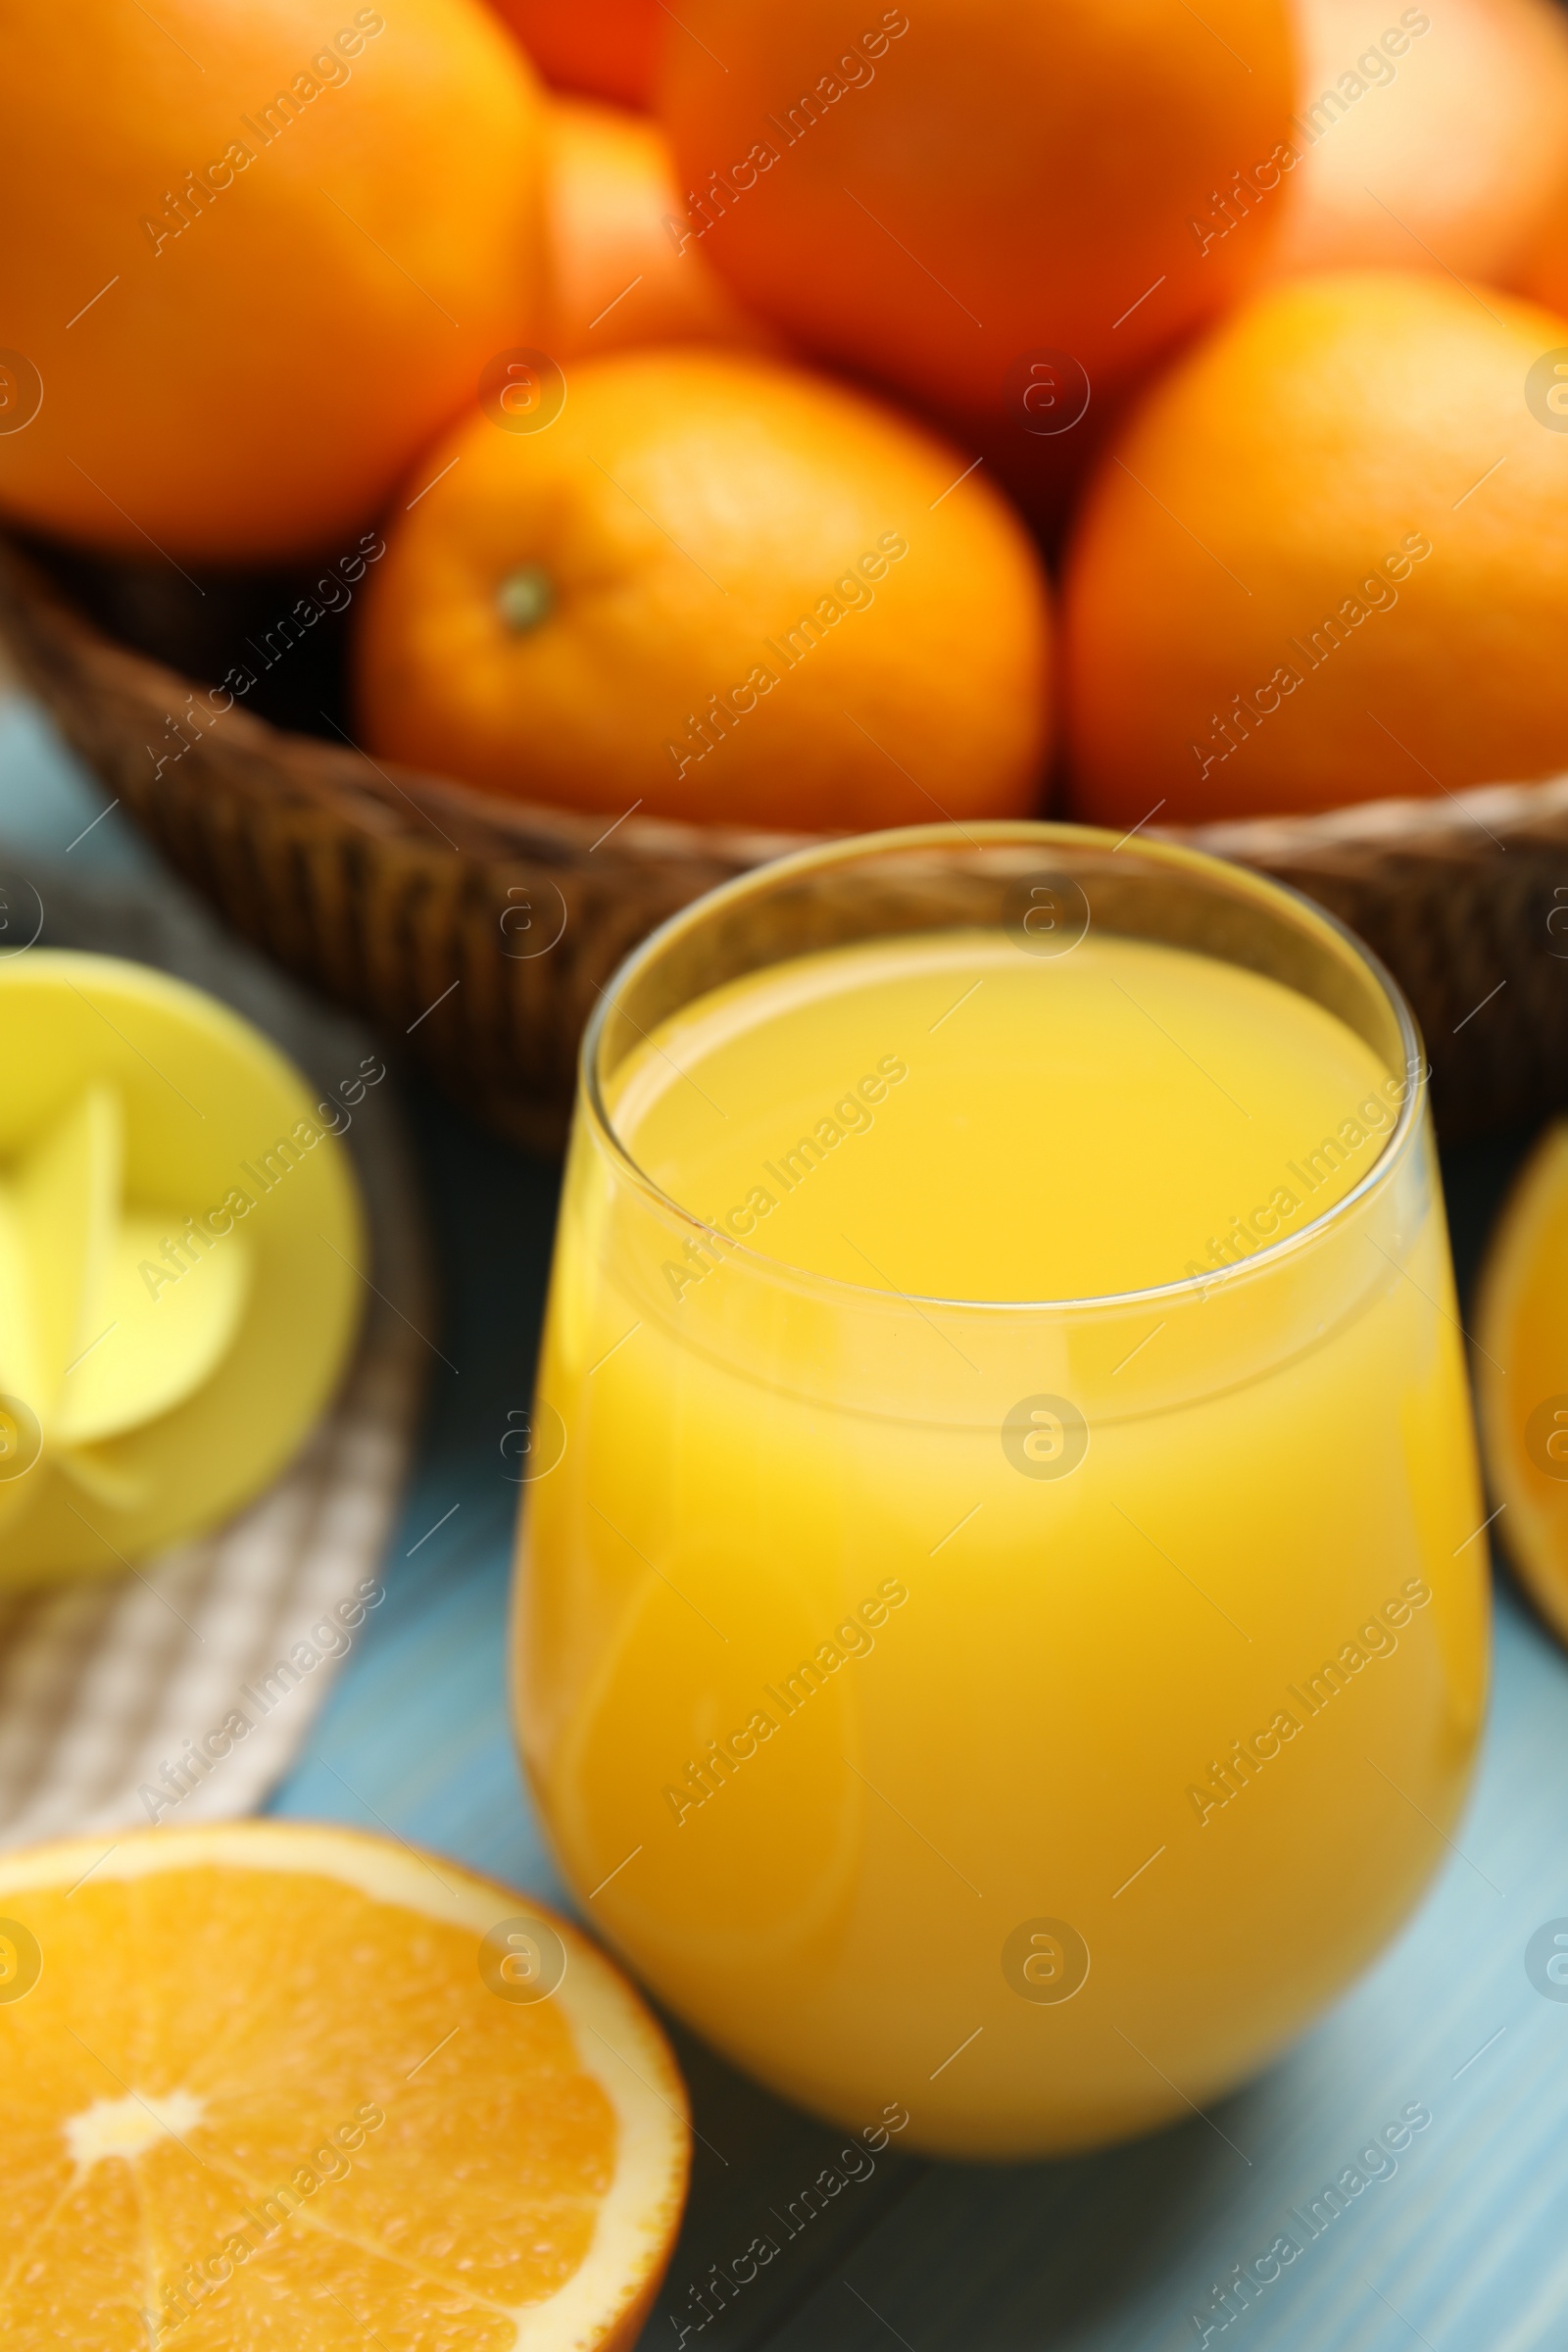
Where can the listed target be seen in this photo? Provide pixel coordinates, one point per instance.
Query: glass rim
(1002, 832)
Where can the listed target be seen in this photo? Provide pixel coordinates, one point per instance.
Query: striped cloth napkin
(183, 1691)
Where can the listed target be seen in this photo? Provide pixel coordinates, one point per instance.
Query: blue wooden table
(1458, 2242)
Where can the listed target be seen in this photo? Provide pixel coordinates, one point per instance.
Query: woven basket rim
(383, 797)
(1491, 808)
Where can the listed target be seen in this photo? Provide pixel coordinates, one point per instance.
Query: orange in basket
(948, 194)
(1327, 562)
(616, 276)
(708, 587)
(1427, 138)
(255, 256)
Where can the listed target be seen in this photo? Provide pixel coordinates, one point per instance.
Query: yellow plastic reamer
(181, 1255)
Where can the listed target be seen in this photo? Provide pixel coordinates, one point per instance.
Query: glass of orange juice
(1002, 1617)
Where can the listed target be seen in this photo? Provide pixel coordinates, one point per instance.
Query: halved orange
(268, 2084)
(1521, 1375)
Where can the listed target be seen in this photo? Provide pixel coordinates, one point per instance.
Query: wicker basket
(480, 931)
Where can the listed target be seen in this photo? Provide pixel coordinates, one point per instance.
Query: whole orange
(1427, 139)
(714, 588)
(255, 257)
(946, 196)
(605, 48)
(616, 276)
(1328, 561)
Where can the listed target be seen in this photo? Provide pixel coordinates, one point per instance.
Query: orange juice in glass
(997, 1625)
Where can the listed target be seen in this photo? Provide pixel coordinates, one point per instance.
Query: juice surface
(986, 1124)
(1031, 1717)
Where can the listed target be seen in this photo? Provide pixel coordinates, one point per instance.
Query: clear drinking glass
(1030, 1711)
